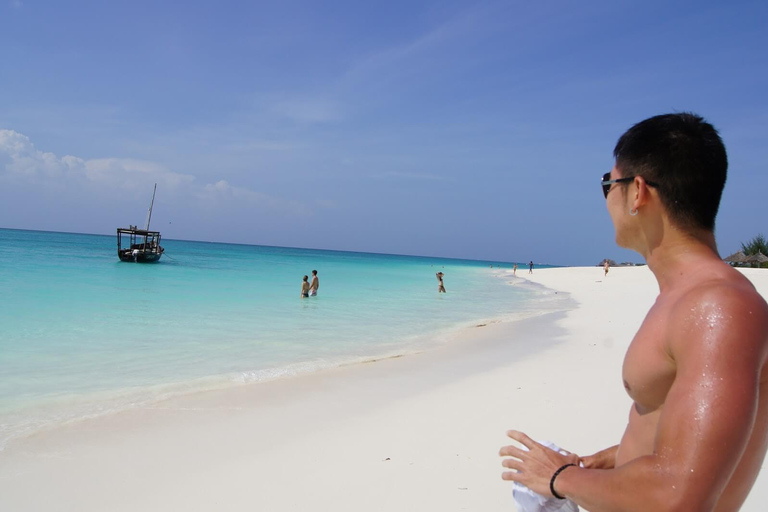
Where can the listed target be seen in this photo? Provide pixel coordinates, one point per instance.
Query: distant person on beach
(305, 287)
(440, 286)
(530, 268)
(514, 269)
(696, 370)
(314, 285)
(606, 267)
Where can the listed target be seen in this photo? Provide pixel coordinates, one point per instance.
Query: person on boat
(305, 287)
(314, 285)
(697, 369)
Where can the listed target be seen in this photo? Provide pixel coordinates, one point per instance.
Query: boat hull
(139, 257)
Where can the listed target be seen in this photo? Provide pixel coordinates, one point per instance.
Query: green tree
(759, 243)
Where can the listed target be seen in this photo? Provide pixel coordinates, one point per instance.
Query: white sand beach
(413, 433)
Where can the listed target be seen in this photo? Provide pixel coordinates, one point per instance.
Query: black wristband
(552, 482)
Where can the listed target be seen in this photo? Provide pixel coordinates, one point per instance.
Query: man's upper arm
(718, 344)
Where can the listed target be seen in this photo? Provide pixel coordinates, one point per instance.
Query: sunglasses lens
(606, 188)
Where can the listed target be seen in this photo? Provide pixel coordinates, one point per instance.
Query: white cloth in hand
(528, 501)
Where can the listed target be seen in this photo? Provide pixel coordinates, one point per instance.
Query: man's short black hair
(314, 271)
(685, 156)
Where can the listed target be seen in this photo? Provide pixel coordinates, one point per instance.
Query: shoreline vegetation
(417, 432)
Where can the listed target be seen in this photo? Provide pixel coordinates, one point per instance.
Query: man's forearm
(640, 485)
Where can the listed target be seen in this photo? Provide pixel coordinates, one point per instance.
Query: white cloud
(21, 161)
(125, 172)
(222, 189)
(13, 142)
(24, 161)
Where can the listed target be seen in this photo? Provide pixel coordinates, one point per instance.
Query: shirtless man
(696, 369)
(314, 285)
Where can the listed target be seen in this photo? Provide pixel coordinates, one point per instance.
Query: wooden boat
(141, 245)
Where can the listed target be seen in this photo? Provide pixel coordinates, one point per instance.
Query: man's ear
(642, 194)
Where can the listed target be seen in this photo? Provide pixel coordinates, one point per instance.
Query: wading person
(440, 285)
(696, 369)
(314, 285)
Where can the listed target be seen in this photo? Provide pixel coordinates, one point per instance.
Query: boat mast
(149, 213)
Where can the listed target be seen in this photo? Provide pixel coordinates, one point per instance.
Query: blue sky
(460, 129)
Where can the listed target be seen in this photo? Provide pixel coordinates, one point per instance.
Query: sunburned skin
(650, 370)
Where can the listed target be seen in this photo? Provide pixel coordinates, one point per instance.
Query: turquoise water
(82, 333)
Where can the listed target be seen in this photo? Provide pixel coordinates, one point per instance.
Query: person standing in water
(440, 285)
(305, 287)
(314, 285)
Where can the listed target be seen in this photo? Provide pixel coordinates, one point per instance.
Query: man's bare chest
(648, 369)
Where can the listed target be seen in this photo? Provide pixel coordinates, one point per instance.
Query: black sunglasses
(607, 182)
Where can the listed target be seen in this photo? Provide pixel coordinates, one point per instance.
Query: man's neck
(678, 254)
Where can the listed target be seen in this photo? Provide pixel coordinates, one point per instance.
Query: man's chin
(623, 243)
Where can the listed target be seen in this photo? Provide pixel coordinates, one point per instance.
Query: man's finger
(513, 476)
(522, 439)
(512, 451)
(512, 464)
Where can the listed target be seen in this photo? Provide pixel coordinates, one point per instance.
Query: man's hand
(533, 468)
(604, 459)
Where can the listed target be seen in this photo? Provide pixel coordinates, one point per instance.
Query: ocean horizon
(505, 263)
(84, 334)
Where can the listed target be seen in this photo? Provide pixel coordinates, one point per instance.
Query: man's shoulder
(725, 305)
(723, 288)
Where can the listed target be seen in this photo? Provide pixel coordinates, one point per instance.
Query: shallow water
(82, 333)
